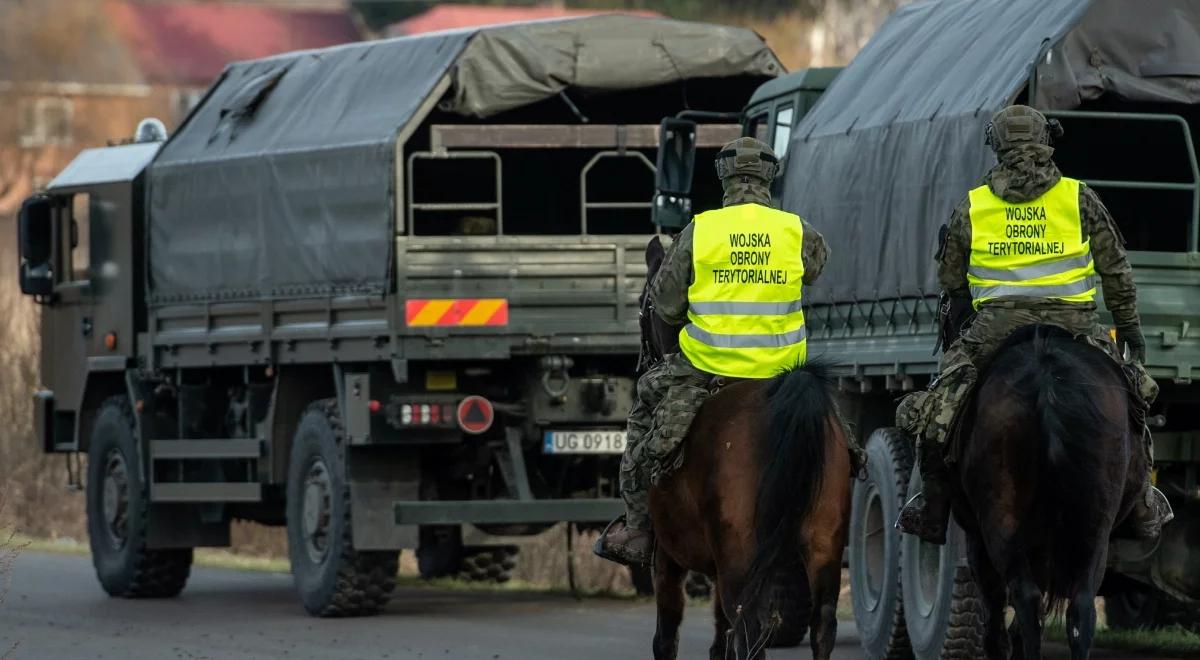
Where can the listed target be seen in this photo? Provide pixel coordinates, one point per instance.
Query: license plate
(583, 442)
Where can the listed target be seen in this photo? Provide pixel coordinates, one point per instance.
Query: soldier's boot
(927, 514)
(1151, 510)
(628, 545)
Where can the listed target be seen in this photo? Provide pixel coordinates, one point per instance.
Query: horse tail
(1073, 423)
(791, 459)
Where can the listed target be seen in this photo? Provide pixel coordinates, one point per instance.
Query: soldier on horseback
(732, 279)
(1022, 249)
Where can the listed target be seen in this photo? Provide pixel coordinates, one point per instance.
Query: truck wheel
(117, 506)
(488, 564)
(333, 578)
(929, 578)
(964, 633)
(697, 585)
(875, 546)
(790, 593)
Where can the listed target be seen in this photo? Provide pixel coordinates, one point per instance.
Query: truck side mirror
(35, 240)
(676, 165)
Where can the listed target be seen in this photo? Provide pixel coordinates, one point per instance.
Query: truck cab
(78, 241)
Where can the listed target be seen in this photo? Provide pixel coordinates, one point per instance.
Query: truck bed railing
(496, 207)
(1193, 186)
(585, 204)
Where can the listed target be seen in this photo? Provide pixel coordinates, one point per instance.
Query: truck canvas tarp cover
(881, 161)
(282, 181)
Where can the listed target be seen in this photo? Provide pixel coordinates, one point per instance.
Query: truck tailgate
(562, 292)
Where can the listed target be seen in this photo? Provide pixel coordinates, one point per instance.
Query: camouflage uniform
(1025, 171)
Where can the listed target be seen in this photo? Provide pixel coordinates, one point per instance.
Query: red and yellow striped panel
(456, 312)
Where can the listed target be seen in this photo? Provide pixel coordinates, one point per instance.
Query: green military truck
(878, 166)
(385, 294)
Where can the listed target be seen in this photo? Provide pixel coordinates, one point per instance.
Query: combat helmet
(1020, 124)
(747, 157)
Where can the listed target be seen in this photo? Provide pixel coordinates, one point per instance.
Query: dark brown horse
(1049, 465)
(764, 490)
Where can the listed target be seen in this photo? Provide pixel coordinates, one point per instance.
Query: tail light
(472, 414)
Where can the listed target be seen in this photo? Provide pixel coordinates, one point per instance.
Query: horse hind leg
(825, 584)
(1081, 611)
(994, 595)
(669, 597)
(1026, 599)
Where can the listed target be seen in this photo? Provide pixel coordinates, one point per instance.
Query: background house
(455, 16)
(79, 74)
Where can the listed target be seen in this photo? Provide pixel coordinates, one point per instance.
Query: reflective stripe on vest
(745, 316)
(1034, 249)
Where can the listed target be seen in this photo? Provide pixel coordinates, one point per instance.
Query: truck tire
(332, 578)
(697, 585)
(875, 583)
(930, 582)
(488, 564)
(965, 630)
(118, 503)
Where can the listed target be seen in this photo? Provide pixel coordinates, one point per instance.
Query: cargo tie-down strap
(431, 312)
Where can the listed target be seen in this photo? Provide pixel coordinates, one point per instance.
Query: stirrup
(896, 525)
(597, 546)
(1162, 505)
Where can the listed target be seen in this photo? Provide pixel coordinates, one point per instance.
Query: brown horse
(1049, 465)
(764, 491)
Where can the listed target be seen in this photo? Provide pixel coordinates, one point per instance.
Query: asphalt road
(55, 609)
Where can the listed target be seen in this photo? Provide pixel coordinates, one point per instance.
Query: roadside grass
(1172, 641)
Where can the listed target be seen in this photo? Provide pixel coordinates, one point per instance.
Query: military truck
(385, 294)
(878, 164)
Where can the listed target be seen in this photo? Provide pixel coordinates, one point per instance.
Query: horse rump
(1076, 402)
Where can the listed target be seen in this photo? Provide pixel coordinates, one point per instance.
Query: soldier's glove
(1131, 337)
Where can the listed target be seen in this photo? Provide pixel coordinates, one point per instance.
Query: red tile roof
(190, 43)
(450, 17)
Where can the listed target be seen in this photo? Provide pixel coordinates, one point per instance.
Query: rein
(648, 355)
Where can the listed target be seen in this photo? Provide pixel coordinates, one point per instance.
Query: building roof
(189, 43)
(453, 17)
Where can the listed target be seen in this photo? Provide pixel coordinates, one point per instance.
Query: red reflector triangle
(474, 414)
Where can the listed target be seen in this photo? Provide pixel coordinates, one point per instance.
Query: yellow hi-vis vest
(1036, 248)
(744, 310)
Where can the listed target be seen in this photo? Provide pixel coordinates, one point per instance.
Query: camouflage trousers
(668, 396)
(927, 415)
